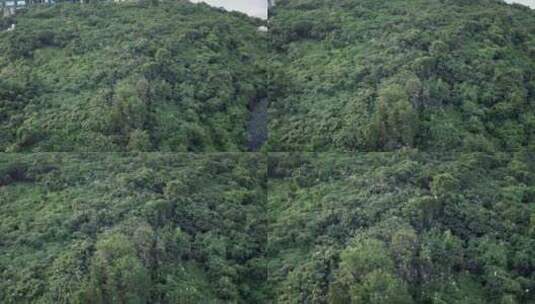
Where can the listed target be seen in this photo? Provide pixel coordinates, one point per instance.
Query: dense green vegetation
(369, 75)
(141, 76)
(132, 228)
(445, 215)
(398, 227)
(404, 227)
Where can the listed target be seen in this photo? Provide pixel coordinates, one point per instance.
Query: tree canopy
(401, 227)
(374, 75)
(129, 77)
(399, 166)
(132, 228)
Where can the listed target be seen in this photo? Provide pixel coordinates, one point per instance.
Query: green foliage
(379, 287)
(374, 75)
(394, 123)
(448, 225)
(117, 274)
(105, 77)
(132, 228)
(364, 257)
(401, 227)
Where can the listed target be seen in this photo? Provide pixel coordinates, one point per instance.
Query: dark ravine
(257, 130)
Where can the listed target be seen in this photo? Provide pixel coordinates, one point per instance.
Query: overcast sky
(256, 8)
(530, 3)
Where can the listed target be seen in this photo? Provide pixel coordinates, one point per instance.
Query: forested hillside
(373, 75)
(379, 228)
(404, 227)
(420, 188)
(132, 228)
(137, 76)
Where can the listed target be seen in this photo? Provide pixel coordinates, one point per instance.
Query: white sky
(530, 3)
(255, 8)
